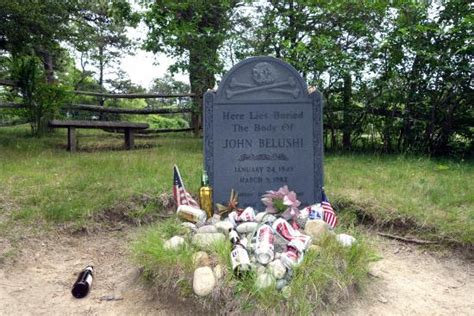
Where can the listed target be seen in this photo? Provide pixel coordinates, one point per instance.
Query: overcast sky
(142, 67)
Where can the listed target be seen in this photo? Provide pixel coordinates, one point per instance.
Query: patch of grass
(324, 278)
(166, 265)
(49, 183)
(45, 182)
(435, 195)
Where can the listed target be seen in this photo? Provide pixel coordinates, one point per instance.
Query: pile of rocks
(275, 273)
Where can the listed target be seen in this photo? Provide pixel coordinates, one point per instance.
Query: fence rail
(135, 95)
(109, 109)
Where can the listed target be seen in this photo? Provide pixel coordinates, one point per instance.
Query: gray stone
(316, 229)
(204, 281)
(207, 240)
(281, 284)
(207, 229)
(248, 227)
(277, 269)
(224, 226)
(264, 280)
(174, 242)
(263, 130)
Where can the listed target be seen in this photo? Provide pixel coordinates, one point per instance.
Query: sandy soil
(407, 281)
(412, 281)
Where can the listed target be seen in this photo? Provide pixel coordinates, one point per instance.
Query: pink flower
(282, 201)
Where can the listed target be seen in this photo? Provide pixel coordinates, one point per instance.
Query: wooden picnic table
(128, 129)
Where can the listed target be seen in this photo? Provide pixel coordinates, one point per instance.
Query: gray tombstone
(262, 130)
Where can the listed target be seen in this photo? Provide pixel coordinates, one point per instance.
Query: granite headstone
(263, 130)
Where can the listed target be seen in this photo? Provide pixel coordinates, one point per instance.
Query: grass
(437, 195)
(40, 180)
(47, 182)
(324, 278)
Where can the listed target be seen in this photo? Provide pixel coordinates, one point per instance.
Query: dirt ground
(406, 281)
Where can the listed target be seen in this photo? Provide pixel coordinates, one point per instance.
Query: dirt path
(407, 281)
(411, 281)
(40, 281)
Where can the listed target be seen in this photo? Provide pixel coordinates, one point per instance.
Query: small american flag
(181, 196)
(329, 215)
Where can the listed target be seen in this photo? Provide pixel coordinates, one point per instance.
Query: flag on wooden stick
(181, 196)
(329, 214)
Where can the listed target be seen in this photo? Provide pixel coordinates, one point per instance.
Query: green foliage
(192, 32)
(27, 26)
(158, 121)
(42, 100)
(396, 76)
(100, 33)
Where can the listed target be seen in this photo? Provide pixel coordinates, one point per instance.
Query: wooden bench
(127, 127)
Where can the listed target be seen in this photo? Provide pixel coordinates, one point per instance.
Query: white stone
(260, 269)
(345, 240)
(264, 280)
(174, 242)
(224, 226)
(259, 216)
(207, 240)
(247, 227)
(218, 272)
(201, 258)
(277, 269)
(189, 226)
(204, 281)
(207, 229)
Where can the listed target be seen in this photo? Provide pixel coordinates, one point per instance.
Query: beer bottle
(83, 283)
(205, 195)
(238, 256)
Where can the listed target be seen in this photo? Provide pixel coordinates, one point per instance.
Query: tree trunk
(201, 79)
(347, 119)
(101, 73)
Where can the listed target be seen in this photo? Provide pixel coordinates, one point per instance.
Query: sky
(142, 67)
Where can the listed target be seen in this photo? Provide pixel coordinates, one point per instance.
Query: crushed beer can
(285, 230)
(264, 246)
(294, 254)
(192, 214)
(247, 215)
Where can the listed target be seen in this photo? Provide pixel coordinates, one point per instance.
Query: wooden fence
(195, 126)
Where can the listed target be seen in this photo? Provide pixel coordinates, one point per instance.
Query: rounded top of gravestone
(262, 79)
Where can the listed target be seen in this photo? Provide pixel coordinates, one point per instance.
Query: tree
(192, 32)
(330, 43)
(100, 33)
(35, 28)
